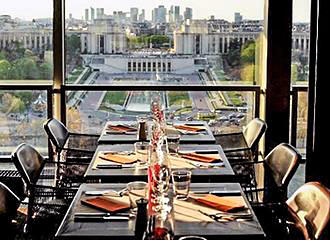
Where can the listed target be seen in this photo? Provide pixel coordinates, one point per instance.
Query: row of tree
(19, 63)
(145, 41)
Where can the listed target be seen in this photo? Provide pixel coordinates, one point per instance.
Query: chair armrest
(69, 163)
(236, 149)
(55, 188)
(84, 134)
(78, 150)
(227, 134)
(246, 163)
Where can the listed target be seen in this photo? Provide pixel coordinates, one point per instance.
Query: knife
(113, 166)
(120, 133)
(219, 193)
(194, 124)
(200, 151)
(102, 214)
(86, 218)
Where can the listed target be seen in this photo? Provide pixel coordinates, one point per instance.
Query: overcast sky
(225, 9)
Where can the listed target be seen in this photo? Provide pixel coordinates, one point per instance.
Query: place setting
(206, 158)
(129, 129)
(187, 128)
(110, 205)
(190, 206)
(136, 158)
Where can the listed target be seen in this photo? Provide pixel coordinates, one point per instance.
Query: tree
(27, 68)
(248, 52)
(5, 67)
(2, 55)
(234, 53)
(46, 71)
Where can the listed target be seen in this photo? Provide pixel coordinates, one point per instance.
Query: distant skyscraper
(238, 17)
(177, 14)
(171, 14)
(142, 16)
(99, 13)
(188, 14)
(161, 14)
(134, 14)
(92, 14)
(86, 14)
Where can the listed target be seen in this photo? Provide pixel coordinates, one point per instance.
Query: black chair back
(57, 132)
(9, 203)
(28, 162)
(280, 164)
(253, 132)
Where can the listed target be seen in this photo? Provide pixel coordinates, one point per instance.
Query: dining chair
(242, 144)
(44, 201)
(9, 203)
(309, 208)
(279, 167)
(241, 147)
(74, 152)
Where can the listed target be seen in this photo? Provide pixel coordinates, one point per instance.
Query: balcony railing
(255, 90)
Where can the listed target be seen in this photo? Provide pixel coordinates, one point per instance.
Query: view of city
(163, 45)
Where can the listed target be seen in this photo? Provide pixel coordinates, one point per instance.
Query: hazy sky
(249, 9)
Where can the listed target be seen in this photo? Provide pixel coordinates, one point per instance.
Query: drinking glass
(192, 238)
(173, 141)
(141, 151)
(181, 183)
(136, 190)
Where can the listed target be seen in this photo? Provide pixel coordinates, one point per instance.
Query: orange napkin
(189, 128)
(122, 159)
(105, 204)
(120, 128)
(226, 204)
(200, 158)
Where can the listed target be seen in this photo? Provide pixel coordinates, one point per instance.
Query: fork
(228, 216)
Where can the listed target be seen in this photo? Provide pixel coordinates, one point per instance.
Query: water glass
(136, 190)
(192, 238)
(181, 183)
(141, 152)
(173, 141)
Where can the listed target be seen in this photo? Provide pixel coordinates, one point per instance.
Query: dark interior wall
(318, 129)
(277, 108)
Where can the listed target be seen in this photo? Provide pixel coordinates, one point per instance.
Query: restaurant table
(211, 174)
(203, 137)
(70, 229)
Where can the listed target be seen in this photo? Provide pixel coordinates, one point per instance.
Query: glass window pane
(225, 111)
(140, 39)
(299, 76)
(26, 42)
(22, 114)
(300, 41)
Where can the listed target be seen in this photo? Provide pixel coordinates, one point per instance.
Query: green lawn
(176, 98)
(114, 98)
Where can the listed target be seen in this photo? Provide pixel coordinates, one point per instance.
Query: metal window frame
(48, 89)
(59, 87)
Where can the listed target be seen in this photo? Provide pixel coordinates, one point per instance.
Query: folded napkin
(190, 128)
(225, 204)
(122, 159)
(189, 211)
(178, 162)
(206, 158)
(106, 203)
(120, 128)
